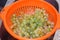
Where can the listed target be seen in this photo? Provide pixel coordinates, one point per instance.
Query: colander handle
(58, 21)
(3, 12)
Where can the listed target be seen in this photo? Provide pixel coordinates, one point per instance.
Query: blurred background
(4, 35)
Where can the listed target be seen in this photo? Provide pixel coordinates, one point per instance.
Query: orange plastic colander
(15, 7)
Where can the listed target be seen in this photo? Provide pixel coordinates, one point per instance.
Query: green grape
(32, 26)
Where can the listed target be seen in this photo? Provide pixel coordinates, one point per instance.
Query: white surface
(0, 38)
(9, 2)
(59, 4)
(0, 22)
(57, 35)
